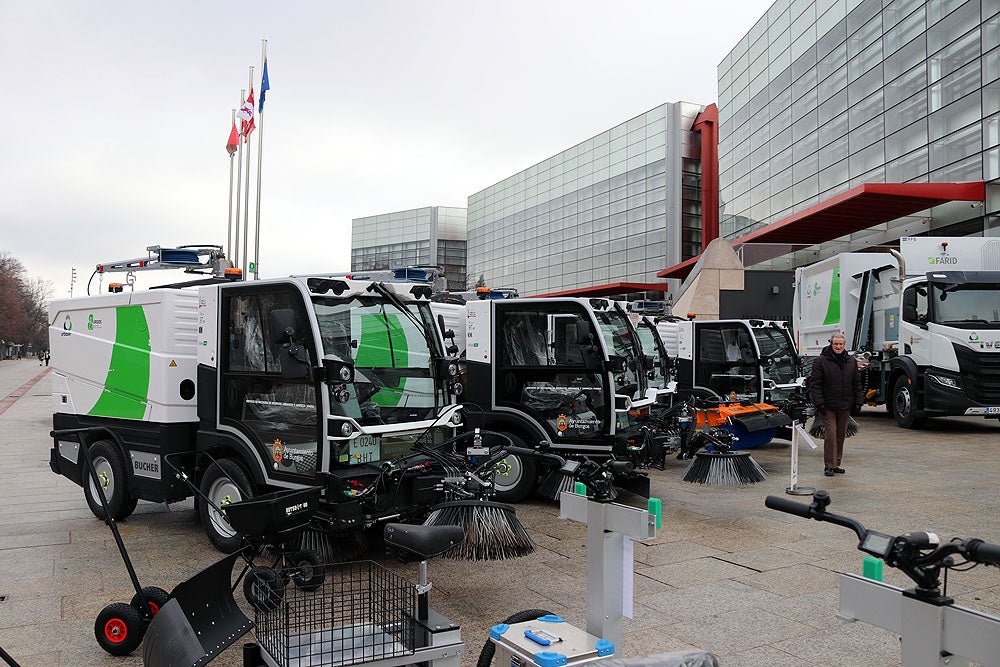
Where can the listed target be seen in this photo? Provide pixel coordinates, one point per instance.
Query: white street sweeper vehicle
(255, 387)
(559, 374)
(925, 323)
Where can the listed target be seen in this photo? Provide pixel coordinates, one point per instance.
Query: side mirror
(282, 325)
(616, 364)
(294, 361)
(445, 333)
(649, 362)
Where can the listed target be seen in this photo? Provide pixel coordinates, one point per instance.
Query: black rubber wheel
(112, 477)
(224, 482)
(307, 569)
(489, 648)
(904, 405)
(515, 475)
(155, 596)
(119, 628)
(263, 588)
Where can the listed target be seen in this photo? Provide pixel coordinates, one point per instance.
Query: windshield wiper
(398, 303)
(969, 320)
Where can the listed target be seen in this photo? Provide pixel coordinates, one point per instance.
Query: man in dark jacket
(836, 391)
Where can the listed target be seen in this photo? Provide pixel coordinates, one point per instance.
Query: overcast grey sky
(115, 114)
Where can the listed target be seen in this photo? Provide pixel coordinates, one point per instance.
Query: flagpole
(239, 180)
(260, 159)
(246, 211)
(229, 232)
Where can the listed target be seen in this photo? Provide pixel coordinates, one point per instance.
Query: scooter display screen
(877, 544)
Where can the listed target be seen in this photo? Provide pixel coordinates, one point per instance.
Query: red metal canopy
(610, 289)
(859, 208)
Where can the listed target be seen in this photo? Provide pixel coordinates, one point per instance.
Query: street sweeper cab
(242, 388)
(554, 373)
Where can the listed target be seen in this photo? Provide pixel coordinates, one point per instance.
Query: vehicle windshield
(618, 337)
(775, 343)
(393, 365)
(650, 349)
(966, 305)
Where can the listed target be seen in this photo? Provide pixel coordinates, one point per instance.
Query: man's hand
(856, 410)
(821, 409)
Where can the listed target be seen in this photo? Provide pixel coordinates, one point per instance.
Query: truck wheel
(904, 407)
(515, 475)
(224, 482)
(111, 475)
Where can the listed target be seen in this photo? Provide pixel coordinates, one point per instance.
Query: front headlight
(456, 417)
(945, 381)
(452, 369)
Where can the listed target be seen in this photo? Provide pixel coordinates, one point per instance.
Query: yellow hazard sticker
(173, 363)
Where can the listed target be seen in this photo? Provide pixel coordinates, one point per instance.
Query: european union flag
(264, 87)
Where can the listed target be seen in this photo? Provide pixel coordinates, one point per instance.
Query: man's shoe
(828, 472)
(839, 471)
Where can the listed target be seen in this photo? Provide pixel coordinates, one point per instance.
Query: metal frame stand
(610, 529)
(795, 490)
(934, 632)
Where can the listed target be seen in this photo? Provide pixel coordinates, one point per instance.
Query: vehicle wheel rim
(903, 402)
(508, 473)
(222, 492)
(115, 631)
(106, 477)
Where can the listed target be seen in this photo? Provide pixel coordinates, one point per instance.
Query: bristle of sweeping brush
(554, 484)
(492, 530)
(333, 547)
(724, 469)
(817, 430)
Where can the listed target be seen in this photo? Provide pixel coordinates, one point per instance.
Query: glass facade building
(432, 235)
(617, 207)
(825, 95)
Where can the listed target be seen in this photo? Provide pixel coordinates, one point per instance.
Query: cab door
(278, 417)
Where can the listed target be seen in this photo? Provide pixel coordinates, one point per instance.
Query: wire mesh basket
(361, 613)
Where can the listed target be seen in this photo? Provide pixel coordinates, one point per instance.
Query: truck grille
(980, 374)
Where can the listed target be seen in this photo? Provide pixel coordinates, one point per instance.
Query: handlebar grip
(554, 459)
(788, 506)
(983, 552)
(621, 467)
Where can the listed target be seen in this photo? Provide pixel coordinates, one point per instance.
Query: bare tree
(23, 304)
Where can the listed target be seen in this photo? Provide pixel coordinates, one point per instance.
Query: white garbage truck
(924, 323)
(254, 387)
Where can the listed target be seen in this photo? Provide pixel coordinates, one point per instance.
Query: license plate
(993, 411)
(365, 449)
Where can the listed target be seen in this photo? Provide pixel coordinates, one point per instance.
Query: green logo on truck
(126, 387)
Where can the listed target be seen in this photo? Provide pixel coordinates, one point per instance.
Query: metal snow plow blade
(199, 622)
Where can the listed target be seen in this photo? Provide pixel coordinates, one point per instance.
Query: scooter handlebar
(788, 506)
(983, 552)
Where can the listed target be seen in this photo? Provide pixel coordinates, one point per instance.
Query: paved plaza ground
(724, 574)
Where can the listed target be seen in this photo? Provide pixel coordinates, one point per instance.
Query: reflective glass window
(906, 140)
(866, 134)
(956, 146)
(954, 116)
(904, 59)
(864, 37)
(906, 85)
(957, 22)
(866, 109)
(834, 129)
(833, 176)
(904, 31)
(908, 111)
(866, 159)
(952, 57)
(954, 86)
(833, 152)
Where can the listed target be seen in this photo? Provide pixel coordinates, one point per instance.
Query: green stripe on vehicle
(383, 345)
(126, 388)
(833, 309)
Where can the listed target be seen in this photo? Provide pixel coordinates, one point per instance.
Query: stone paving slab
(724, 573)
